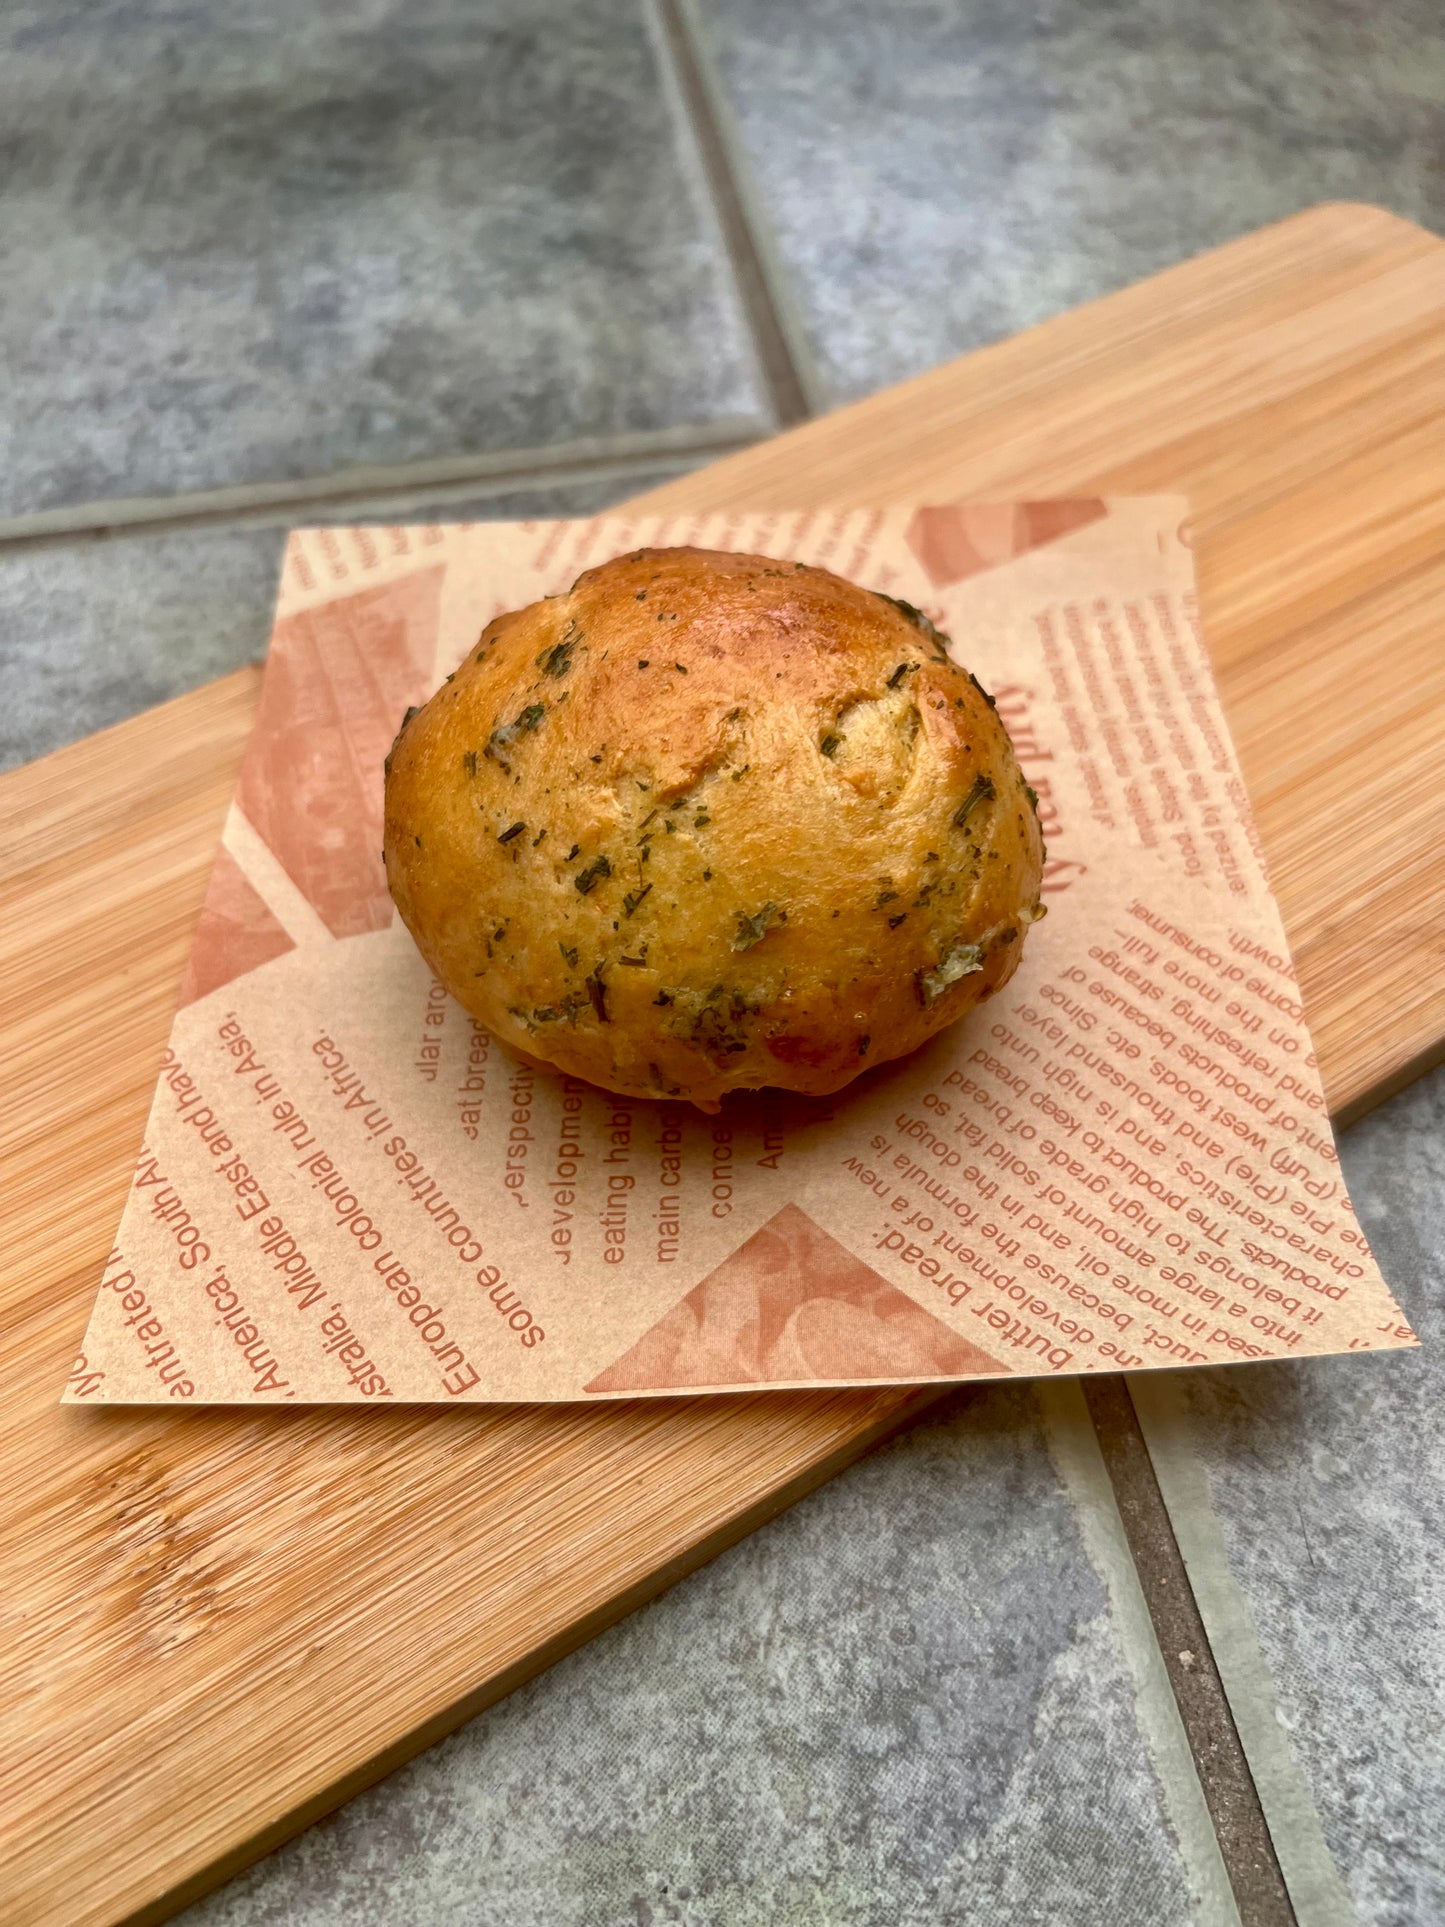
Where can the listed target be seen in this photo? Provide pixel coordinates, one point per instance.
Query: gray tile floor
(1313, 1500)
(937, 176)
(281, 240)
(474, 257)
(909, 1700)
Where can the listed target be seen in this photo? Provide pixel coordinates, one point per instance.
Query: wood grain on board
(218, 1624)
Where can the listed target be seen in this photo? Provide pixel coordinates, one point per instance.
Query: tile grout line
(1316, 1887)
(458, 477)
(1236, 1810)
(1076, 1450)
(794, 384)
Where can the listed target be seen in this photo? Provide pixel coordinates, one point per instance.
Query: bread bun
(710, 822)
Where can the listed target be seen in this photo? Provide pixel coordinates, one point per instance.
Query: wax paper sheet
(349, 1191)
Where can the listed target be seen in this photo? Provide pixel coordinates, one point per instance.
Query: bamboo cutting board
(219, 1624)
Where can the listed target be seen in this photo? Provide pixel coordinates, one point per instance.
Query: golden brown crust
(712, 822)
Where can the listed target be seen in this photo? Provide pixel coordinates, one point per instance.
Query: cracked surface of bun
(711, 822)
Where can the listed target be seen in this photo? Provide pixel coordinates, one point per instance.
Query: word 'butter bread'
(710, 822)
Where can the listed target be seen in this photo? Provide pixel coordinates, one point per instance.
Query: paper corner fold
(790, 1305)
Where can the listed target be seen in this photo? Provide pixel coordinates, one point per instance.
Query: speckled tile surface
(903, 1703)
(264, 242)
(1326, 1481)
(937, 177)
(94, 631)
